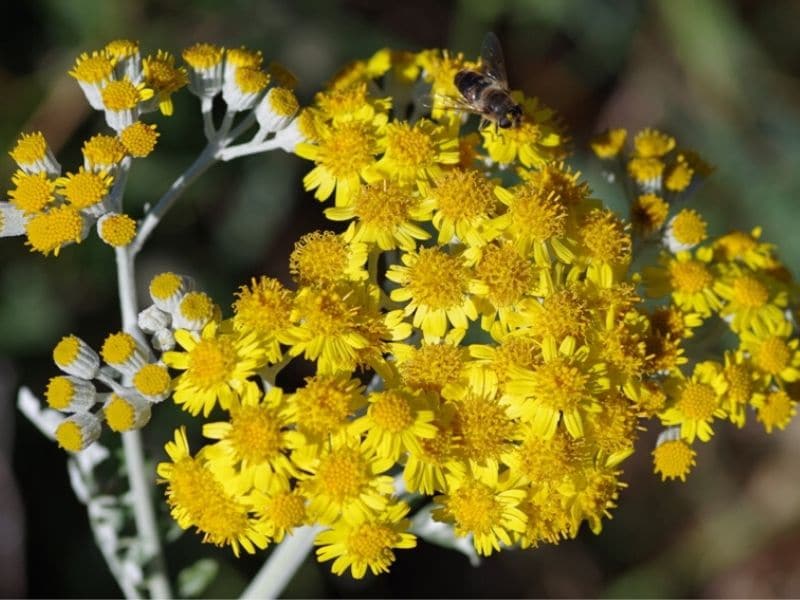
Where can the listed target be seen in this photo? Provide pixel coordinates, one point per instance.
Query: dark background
(721, 76)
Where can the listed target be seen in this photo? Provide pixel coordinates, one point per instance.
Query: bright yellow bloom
(648, 214)
(322, 258)
(774, 409)
(264, 307)
(366, 542)
(609, 143)
(32, 192)
(164, 78)
(215, 364)
(256, 441)
(651, 142)
(752, 298)
(49, 232)
(484, 429)
(688, 278)
(197, 498)
(774, 355)
(483, 505)
(696, 401)
(741, 380)
(431, 366)
(673, 459)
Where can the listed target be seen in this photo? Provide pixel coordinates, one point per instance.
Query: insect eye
(504, 122)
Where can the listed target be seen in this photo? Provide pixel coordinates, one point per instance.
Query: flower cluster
(480, 341)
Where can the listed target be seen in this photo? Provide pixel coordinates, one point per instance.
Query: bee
(485, 92)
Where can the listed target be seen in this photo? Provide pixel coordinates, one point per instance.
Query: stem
(206, 107)
(154, 216)
(282, 564)
(249, 148)
(140, 482)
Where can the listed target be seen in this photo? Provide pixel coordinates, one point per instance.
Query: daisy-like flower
(751, 297)
(281, 513)
(483, 427)
(139, 139)
(264, 307)
(205, 69)
(197, 498)
(560, 313)
(215, 364)
(696, 401)
(101, 153)
(685, 230)
(126, 412)
(127, 59)
(367, 542)
(436, 286)
(774, 409)
(689, 279)
(75, 357)
(343, 153)
(256, 441)
(491, 368)
(431, 366)
(484, 505)
(50, 231)
(33, 155)
(603, 239)
(536, 222)
(86, 190)
(673, 457)
(742, 386)
(592, 495)
(346, 481)
(93, 72)
(78, 432)
(396, 421)
(384, 214)
(745, 248)
(775, 356)
(563, 388)
(122, 101)
(426, 467)
(533, 143)
(414, 154)
(164, 78)
(322, 258)
(350, 102)
(462, 203)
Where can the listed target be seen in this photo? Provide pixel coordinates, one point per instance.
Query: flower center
(211, 361)
(772, 355)
(391, 412)
(256, 434)
(697, 401)
(348, 149)
(342, 474)
(437, 280)
(750, 292)
(689, 277)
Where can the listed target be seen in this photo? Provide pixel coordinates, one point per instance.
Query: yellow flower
(484, 429)
(366, 542)
(742, 386)
(415, 153)
(49, 232)
(256, 441)
(322, 258)
(431, 366)
(752, 298)
(32, 192)
(197, 498)
(343, 153)
(648, 214)
(673, 459)
(346, 482)
(603, 239)
(396, 421)
(281, 512)
(436, 286)
(264, 307)
(483, 505)
(696, 401)
(774, 409)
(349, 103)
(650, 143)
(215, 364)
(592, 496)
(775, 357)
(164, 78)
(563, 388)
(609, 143)
(689, 279)
(384, 212)
(426, 466)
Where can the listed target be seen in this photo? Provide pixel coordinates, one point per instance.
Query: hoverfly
(485, 91)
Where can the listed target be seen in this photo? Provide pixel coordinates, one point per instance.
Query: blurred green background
(721, 76)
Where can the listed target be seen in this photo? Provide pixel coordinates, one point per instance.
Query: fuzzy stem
(282, 564)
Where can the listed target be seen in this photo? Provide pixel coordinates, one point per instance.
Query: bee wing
(448, 103)
(492, 58)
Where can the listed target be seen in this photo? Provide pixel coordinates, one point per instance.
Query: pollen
(60, 392)
(540, 217)
(483, 427)
(49, 232)
(342, 474)
(160, 73)
(371, 543)
(609, 143)
(749, 292)
(319, 257)
(121, 95)
(343, 100)
(33, 192)
(242, 57)
(139, 139)
(384, 206)
(283, 101)
(93, 69)
(688, 227)
(211, 361)
(437, 280)
(776, 409)
(255, 433)
(461, 194)
(120, 49)
(118, 348)
(475, 508)
(432, 366)
(649, 213)
(650, 143)
(559, 385)
(196, 307)
(690, 277)
(165, 285)
(409, 146)
(560, 314)
(152, 380)
(674, 459)
(119, 413)
(740, 383)
(772, 355)
(203, 56)
(251, 80)
(348, 149)
(286, 510)
(116, 229)
(30, 149)
(390, 411)
(507, 274)
(69, 436)
(84, 188)
(325, 403)
(645, 170)
(103, 151)
(67, 350)
(679, 175)
(604, 236)
(559, 181)
(265, 306)
(697, 401)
